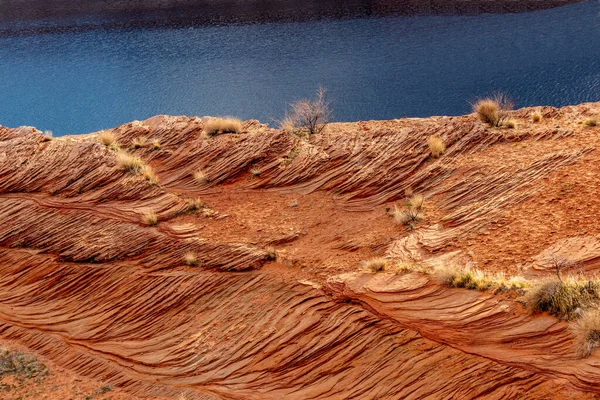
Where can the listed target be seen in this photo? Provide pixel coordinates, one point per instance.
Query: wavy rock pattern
(86, 283)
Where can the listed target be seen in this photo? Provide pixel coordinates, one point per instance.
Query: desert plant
(564, 299)
(149, 174)
(129, 162)
(47, 136)
(195, 204)
(591, 122)
(587, 333)
(219, 126)
(493, 110)
(22, 366)
(150, 218)
(190, 259)
(409, 216)
(536, 116)
(200, 176)
(107, 138)
(310, 116)
(271, 254)
(474, 279)
(510, 124)
(376, 264)
(139, 142)
(436, 146)
(156, 145)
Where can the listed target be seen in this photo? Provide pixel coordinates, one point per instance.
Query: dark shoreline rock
(39, 16)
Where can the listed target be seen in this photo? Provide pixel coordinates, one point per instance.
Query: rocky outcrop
(85, 282)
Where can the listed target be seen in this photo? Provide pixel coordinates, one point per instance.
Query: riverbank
(19, 15)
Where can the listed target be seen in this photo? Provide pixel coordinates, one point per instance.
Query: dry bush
(587, 333)
(195, 205)
(190, 259)
(156, 145)
(474, 279)
(200, 177)
(308, 116)
(139, 142)
(21, 366)
(376, 264)
(255, 171)
(493, 110)
(436, 146)
(129, 162)
(47, 136)
(407, 266)
(591, 122)
(409, 216)
(271, 254)
(510, 124)
(219, 126)
(536, 116)
(106, 138)
(150, 218)
(149, 174)
(564, 299)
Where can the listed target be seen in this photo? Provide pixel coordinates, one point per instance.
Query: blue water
(374, 68)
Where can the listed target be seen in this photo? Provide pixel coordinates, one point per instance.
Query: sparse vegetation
(587, 333)
(255, 172)
(150, 218)
(156, 145)
(536, 117)
(47, 136)
(190, 259)
(436, 146)
(139, 142)
(308, 116)
(195, 204)
(22, 366)
(510, 124)
(376, 264)
(219, 126)
(493, 110)
(474, 279)
(409, 216)
(565, 298)
(200, 177)
(149, 174)
(271, 254)
(129, 162)
(107, 138)
(591, 122)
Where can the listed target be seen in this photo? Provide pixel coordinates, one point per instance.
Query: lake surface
(374, 68)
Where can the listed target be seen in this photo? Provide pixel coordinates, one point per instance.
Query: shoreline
(30, 16)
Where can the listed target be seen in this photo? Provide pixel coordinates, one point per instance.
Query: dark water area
(88, 73)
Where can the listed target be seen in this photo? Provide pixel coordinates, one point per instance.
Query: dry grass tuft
(587, 333)
(591, 122)
(195, 205)
(565, 298)
(493, 110)
(156, 145)
(106, 138)
(436, 146)
(139, 142)
(536, 117)
(200, 177)
(190, 259)
(21, 366)
(376, 264)
(405, 267)
(510, 124)
(474, 279)
(150, 218)
(271, 254)
(47, 136)
(410, 215)
(149, 174)
(308, 116)
(129, 162)
(219, 126)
